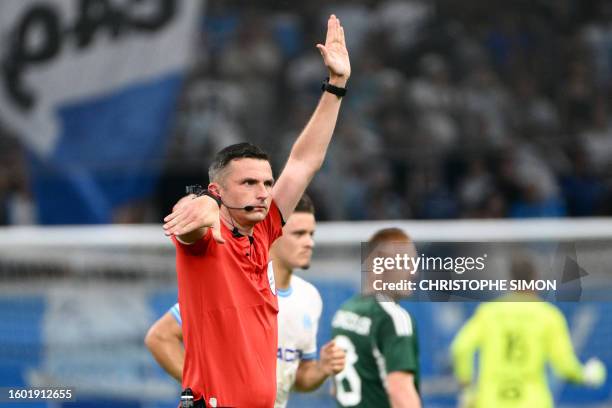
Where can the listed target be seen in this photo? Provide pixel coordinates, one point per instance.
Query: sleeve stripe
(401, 318)
(176, 313)
(309, 356)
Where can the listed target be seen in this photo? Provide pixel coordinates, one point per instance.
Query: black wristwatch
(336, 90)
(199, 191)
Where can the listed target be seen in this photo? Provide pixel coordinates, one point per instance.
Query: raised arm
(309, 150)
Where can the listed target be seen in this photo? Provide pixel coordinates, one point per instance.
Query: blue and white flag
(90, 87)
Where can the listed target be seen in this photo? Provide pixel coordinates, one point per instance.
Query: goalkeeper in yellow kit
(516, 337)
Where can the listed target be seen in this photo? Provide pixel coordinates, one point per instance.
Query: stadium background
(456, 110)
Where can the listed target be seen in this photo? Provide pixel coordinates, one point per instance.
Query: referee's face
(248, 182)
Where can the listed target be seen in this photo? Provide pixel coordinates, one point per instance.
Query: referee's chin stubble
(255, 216)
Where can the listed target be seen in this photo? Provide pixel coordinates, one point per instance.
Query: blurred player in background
(222, 239)
(516, 337)
(298, 317)
(165, 342)
(378, 335)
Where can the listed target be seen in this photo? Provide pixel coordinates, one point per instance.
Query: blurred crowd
(455, 109)
(479, 109)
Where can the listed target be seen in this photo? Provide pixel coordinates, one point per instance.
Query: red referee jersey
(228, 307)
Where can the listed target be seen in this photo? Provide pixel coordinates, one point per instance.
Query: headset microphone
(247, 208)
(198, 190)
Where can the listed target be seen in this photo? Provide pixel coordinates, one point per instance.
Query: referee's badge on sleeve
(271, 278)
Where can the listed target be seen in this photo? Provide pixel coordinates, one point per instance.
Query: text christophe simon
(458, 265)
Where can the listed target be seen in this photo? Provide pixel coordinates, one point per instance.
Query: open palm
(334, 51)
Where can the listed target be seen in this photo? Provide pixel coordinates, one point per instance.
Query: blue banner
(90, 88)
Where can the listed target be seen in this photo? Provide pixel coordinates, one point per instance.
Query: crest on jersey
(307, 321)
(271, 278)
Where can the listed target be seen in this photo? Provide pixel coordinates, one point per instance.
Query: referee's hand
(334, 53)
(193, 213)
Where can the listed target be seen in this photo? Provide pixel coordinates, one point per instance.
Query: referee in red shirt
(226, 291)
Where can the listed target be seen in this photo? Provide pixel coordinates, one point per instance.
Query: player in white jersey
(300, 308)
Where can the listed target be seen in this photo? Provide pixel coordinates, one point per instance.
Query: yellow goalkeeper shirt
(516, 337)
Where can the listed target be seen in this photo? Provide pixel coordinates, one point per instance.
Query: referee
(222, 237)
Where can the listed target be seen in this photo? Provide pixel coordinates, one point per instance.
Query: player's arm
(401, 390)
(563, 359)
(561, 353)
(309, 150)
(312, 373)
(165, 342)
(463, 348)
(397, 343)
(191, 218)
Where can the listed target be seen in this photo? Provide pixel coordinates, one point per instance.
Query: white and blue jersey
(299, 310)
(175, 311)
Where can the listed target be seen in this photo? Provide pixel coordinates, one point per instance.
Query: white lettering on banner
(65, 51)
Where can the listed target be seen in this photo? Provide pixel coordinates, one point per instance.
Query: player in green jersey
(379, 338)
(516, 337)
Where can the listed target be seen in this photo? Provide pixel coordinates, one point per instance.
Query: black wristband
(211, 195)
(198, 191)
(336, 90)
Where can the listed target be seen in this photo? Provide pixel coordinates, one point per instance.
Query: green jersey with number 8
(379, 337)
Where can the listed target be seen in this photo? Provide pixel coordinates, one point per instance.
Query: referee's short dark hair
(305, 205)
(232, 152)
